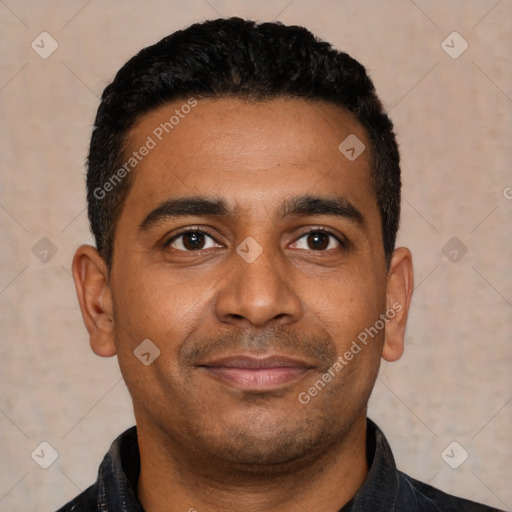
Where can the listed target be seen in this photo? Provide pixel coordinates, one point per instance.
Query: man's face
(242, 333)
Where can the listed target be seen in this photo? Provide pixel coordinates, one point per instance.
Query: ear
(95, 298)
(399, 290)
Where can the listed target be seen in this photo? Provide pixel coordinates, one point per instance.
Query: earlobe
(95, 298)
(399, 290)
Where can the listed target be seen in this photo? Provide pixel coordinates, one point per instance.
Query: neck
(169, 483)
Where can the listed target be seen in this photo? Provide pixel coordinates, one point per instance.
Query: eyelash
(343, 244)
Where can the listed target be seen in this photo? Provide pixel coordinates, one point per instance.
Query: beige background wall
(453, 118)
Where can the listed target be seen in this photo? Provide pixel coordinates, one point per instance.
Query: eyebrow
(217, 207)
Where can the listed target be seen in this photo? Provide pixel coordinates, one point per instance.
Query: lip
(257, 373)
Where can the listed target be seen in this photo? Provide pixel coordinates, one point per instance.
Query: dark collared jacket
(385, 490)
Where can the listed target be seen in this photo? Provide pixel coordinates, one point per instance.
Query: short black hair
(234, 58)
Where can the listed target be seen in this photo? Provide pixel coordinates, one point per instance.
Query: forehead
(251, 153)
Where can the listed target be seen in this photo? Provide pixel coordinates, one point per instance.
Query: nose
(258, 294)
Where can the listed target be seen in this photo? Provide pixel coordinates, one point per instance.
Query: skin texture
(209, 444)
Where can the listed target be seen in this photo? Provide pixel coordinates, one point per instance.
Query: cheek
(346, 304)
(158, 310)
(161, 307)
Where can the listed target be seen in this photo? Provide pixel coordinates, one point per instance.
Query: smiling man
(244, 191)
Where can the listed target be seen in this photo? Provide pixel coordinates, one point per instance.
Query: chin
(274, 445)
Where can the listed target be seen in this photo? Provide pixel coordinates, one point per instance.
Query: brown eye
(317, 240)
(191, 241)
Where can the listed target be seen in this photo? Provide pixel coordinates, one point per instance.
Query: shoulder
(116, 482)
(84, 502)
(431, 499)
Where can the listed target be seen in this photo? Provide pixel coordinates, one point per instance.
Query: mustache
(318, 348)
